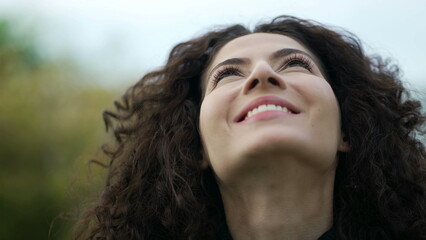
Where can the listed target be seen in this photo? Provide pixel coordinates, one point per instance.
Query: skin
(275, 170)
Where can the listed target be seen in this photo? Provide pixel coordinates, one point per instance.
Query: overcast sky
(126, 38)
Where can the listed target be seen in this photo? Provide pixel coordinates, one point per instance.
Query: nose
(263, 76)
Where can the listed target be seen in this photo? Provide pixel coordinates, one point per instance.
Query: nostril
(273, 81)
(253, 83)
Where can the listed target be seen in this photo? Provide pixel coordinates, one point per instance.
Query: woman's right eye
(226, 72)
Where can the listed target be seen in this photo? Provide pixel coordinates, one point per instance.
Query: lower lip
(267, 115)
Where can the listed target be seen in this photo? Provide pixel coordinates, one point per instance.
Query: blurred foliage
(50, 127)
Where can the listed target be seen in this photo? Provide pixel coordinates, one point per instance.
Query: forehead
(256, 45)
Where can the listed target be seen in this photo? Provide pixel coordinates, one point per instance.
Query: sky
(124, 39)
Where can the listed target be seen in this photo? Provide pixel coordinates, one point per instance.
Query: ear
(343, 144)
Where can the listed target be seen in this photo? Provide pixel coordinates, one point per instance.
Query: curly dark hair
(157, 189)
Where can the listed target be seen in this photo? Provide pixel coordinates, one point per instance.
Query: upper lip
(265, 100)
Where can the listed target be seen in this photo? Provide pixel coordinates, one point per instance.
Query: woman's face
(266, 98)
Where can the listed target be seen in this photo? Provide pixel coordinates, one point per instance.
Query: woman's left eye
(297, 61)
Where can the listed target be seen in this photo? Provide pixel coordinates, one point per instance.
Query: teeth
(270, 107)
(266, 107)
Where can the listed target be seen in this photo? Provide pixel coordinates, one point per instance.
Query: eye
(297, 61)
(226, 72)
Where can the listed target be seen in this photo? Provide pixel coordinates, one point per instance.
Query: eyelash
(295, 59)
(299, 60)
(224, 72)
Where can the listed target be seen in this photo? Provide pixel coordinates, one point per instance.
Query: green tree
(50, 126)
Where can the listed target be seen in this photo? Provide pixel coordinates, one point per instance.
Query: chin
(303, 149)
(272, 139)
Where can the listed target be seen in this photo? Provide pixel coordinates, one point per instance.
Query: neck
(291, 201)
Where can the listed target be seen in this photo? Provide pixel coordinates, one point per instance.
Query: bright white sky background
(123, 39)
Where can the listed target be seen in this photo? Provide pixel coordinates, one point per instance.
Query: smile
(266, 104)
(264, 108)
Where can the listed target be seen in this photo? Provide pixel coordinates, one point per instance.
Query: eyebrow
(287, 51)
(276, 55)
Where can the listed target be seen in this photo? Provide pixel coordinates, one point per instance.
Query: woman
(286, 132)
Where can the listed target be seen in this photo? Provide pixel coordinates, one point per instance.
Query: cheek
(214, 118)
(216, 107)
(210, 136)
(203, 119)
(211, 114)
(326, 96)
(317, 91)
(328, 105)
(327, 116)
(319, 96)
